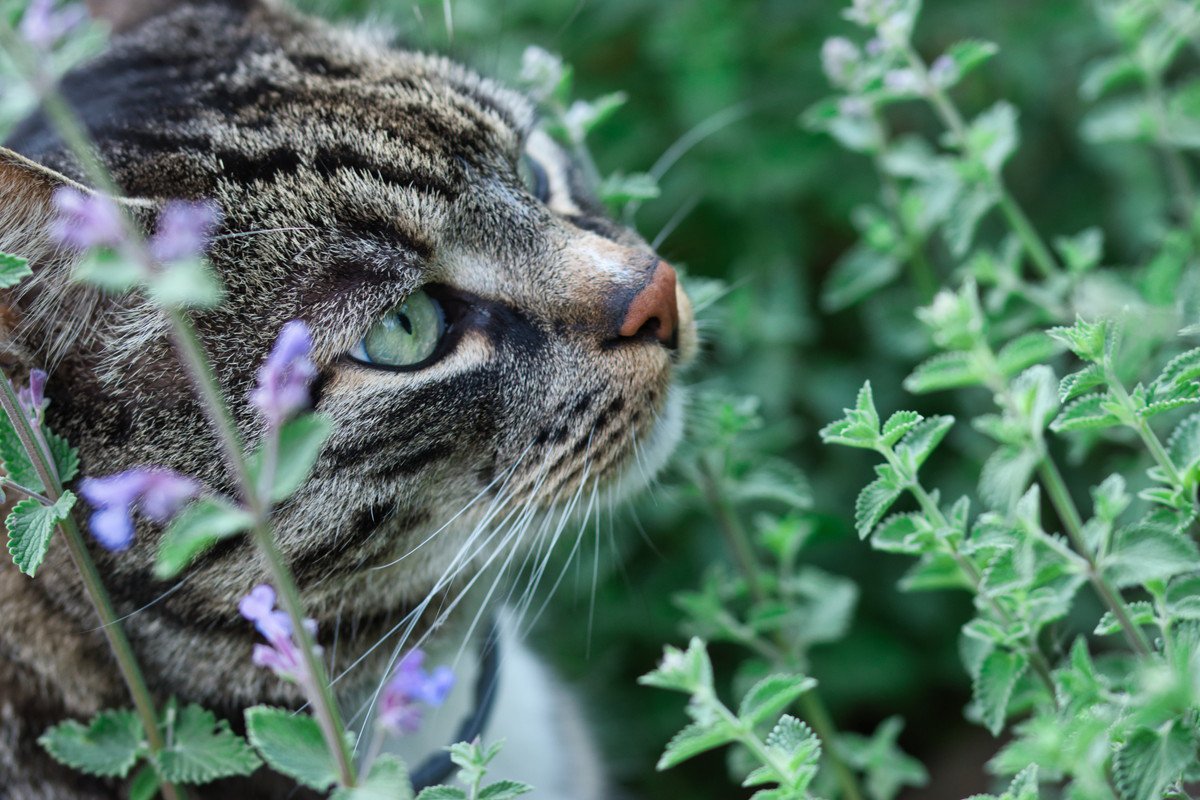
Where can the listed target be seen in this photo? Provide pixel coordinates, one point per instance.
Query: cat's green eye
(533, 175)
(407, 336)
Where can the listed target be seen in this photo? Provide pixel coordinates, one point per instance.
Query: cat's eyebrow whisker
(697, 134)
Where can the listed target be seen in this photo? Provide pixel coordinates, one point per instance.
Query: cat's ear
(124, 15)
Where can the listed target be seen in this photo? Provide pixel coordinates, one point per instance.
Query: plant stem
(191, 354)
(738, 539)
(950, 116)
(1176, 168)
(118, 642)
(25, 491)
(922, 271)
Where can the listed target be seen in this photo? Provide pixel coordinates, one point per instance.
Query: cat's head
(489, 340)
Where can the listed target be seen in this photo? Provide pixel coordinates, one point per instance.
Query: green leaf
(30, 528)
(618, 188)
(1102, 76)
(1184, 444)
(1005, 476)
(919, 443)
(388, 780)
(66, 458)
(201, 525)
(934, 571)
(14, 460)
(1024, 786)
(873, 502)
(145, 784)
(1025, 351)
(1084, 339)
(992, 136)
(1079, 382)
(974, 201)
(1123, 119)
(442, 793)
(682, 670)
(903, 533)
(886, 767)
(292, 744)
(970, 54)
(1148, 551)
(300, 442)
(186, 284)
(994, 686)
(1081, 252)
(108, 747)
(1140, 613)
(856, 275)
(13, 270)
(795, 742)
(1180, 372)
(899, 424)
(1085, 413)
(109, 270)
(697, 738)
(944, 371)
(860, 425)
(1150, 760)
(768, 698)
(202, 748)
(505, 790)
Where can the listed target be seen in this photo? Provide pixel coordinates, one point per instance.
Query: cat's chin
(653, 452)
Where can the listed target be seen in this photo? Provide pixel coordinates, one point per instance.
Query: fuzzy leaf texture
(696, 738)
(388, 780)
(31, 526)
(300, 442)
(108, 746)
(442, 793)
(994, 687)
(292, 744)
(1148, 551)
(200, 526)
(1150, 760)
(771, 696)
(203, 748)
(505, 790)
(873, 502)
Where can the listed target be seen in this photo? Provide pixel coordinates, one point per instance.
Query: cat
(495, 354)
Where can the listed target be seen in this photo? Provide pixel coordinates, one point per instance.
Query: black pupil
(405, 322)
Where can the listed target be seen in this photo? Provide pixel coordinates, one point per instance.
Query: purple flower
(399, 712)
(184, 229)
(42, 26)
(284, 377)
(281, 654)
(86, 220)
(158, 493)
(33, 397)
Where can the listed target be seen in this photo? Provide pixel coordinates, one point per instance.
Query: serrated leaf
(145, 784)
(13, 270)
(969, 54)
(769, 697)
(202, 749)
(14, 460)
(994, 685)
(860, 272)
(801, 748)
(30, 528)
(66, 458)
(902, 533)
(505, 790)
(1183, 445)
(682, 670)
(859, 427)
(992, 136)
(1150, 760)
(1079, 382)
(919, 443)
(934, 571)
(108, 747)
(442, 793)
(974, 201)
(1180, 372)
(300, 442)
(388, 780)
(1085, 339)
(944, 371)
(1140, 613)
(1084, 413)
(200, 526)
(1005, 476)
(873, 502)
(697, 738)
(1148, 551)
(1025, 351)
(899, 424)
(1082, 251)
(292, 744)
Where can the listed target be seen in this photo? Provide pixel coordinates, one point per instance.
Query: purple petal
(42, 26)
(284, 377)
(33, 397)
(86, 220)
(115, 491)
(165, 493)
(113, 528)
(259, 603)
(184, 229)
(438, 686)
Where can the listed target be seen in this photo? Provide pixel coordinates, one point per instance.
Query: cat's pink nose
(653, 312)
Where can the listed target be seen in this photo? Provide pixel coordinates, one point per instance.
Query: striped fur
(349, 173)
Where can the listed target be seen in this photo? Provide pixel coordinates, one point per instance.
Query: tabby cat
(494, 352)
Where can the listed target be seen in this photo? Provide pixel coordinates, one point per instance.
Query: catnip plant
(1093, 388)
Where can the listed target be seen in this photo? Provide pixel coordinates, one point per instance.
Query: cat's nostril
(653, 313)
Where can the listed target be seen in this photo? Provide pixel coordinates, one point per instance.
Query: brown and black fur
(349, 173)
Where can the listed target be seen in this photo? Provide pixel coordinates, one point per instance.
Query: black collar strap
(438, 767)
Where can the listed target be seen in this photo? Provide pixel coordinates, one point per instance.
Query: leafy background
(767, 208)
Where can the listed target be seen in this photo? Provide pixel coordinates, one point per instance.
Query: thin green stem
(1180, 178)
(812, 707)
(1141, 427)
(922, 270)
(748, 737)
(1043, 260)
(734, 533)
(191, 354)
(118, 642)
(10, 485)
